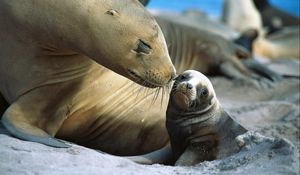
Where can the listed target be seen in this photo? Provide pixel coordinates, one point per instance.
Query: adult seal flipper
(198, 126)
(22, 131)
(17, 125)
(249, 66)
(262, 70)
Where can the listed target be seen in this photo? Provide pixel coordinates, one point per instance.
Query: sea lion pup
(273, 18)
(198, 126)
(50, 58)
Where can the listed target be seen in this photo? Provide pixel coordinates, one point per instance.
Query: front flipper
(236, 70)
(262, 70)
(196, 153)
(20, 127)
(242, 67)
(161, 156)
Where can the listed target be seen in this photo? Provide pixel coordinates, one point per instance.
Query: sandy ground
(271, 113)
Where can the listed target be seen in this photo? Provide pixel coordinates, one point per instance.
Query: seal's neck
(181, 116)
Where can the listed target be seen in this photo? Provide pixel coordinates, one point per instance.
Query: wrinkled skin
(198, 126)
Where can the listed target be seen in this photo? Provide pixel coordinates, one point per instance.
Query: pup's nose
(173, 76)
(189, 86)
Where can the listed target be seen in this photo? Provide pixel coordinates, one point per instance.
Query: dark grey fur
(198, 136)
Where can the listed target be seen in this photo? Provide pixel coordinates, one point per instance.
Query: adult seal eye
(143, 47)
(204, 92)
(112, 12)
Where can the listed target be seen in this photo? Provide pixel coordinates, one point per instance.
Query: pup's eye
(112, 12)
(204, 92)
(143, 47)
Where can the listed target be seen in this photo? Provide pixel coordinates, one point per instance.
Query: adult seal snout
(198, 126)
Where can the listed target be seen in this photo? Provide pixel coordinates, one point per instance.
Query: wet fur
(203, 131)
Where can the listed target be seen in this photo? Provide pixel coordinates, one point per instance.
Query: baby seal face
(198, 126)
(192, 91)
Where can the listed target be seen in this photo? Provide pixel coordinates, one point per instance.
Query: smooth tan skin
(198, 126)
(50, 58)
(283, 44)
(242, 15)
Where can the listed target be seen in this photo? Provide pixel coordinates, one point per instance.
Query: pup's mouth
(181, 100)
(138, 79)
(181, 89)
(182, 94)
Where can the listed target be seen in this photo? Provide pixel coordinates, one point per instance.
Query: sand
(269, 110)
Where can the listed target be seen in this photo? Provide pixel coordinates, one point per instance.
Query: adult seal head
(198, 126)
(120, 35)
(56, 46)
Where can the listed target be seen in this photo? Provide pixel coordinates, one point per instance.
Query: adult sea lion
(202, 23)
(209, 53)
(241, 15)
(282, 44)
(273, 18)
(198, 126)
(50, 55)
(207, 46)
